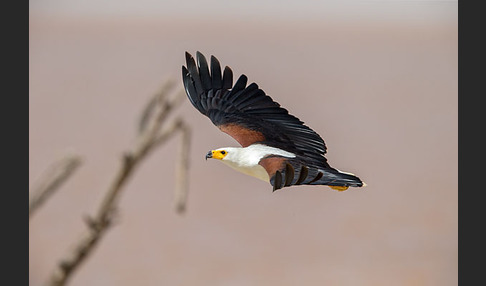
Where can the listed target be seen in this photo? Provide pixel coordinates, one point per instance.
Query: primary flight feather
(276, 146)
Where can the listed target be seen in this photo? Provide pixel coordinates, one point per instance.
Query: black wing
(240, 108)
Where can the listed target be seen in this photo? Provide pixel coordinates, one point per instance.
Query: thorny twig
(151, 135)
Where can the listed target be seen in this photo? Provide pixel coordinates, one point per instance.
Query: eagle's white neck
(246, 159)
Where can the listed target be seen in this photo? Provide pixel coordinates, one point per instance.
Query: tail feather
(334, 177)
(331, 177)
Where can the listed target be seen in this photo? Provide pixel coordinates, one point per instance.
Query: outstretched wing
(246, 113)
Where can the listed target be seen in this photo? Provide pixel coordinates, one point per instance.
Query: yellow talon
(339, 188)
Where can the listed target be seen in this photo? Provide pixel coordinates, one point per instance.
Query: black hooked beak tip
(209, 155)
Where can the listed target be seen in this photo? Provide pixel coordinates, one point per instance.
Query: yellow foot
(339, 188)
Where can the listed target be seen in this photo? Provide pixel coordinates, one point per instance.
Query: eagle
(276, 146)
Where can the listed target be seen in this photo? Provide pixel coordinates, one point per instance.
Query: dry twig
(180, 198)
(51, 180)
(150, 136)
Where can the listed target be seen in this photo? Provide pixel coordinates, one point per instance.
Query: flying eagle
(276, 146)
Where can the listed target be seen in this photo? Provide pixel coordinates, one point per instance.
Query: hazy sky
(271, 9)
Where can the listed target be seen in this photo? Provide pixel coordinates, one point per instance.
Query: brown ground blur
(383, 97)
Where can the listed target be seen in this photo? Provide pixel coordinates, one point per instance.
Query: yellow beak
(215, 154)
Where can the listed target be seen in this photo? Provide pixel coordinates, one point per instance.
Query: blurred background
(376, 79)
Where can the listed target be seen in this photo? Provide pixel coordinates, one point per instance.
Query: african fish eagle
(276, 146)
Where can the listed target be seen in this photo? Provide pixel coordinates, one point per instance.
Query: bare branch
(181, 190)
(168, 132)
(51, 180)
(149, 138)
(152, 104)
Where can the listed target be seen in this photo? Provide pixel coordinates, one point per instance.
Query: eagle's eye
(223, 152)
